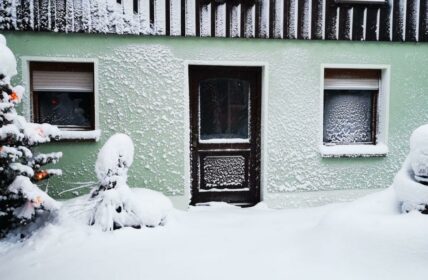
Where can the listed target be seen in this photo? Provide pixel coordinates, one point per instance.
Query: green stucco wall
(145, 76)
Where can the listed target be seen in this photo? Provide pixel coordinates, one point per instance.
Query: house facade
(295, 102)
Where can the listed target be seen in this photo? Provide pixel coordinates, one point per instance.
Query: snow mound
(8, 61)
(410, 183)
(115, 157)
(114, 204)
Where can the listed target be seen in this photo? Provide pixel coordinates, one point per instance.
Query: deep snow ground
(364, 239)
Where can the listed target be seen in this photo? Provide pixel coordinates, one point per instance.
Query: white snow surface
(364, 239)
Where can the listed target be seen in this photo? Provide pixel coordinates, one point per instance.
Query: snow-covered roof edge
(393, 20)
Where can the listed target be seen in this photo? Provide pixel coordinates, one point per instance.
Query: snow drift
(411, 182)
(115, 205)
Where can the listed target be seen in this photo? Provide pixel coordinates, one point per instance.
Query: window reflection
(224, 110)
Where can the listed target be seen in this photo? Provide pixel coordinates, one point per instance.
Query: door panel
(225, 108)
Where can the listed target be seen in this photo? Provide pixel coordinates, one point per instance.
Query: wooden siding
(394, 20)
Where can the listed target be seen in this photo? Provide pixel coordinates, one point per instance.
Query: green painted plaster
(144, 76)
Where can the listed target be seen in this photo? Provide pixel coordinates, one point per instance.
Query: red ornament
(41, 175)
(13, 96)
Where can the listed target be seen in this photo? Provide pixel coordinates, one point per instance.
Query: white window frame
(27, 101)
(380, 148)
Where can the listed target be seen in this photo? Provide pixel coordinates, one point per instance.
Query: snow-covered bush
(411, 182)
(21, 201)
(115, 205)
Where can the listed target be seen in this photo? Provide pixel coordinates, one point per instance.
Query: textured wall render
(142, 92)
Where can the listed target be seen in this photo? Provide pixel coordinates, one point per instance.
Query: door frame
(263, 122)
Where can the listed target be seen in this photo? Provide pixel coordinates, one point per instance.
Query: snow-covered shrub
(115, 205)
(21, 201)
(411, 182)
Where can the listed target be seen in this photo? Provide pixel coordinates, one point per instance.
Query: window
(63, 94)
(352, 124)
(224, 109)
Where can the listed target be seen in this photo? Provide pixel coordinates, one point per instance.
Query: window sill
(378, 150)
(83, 135)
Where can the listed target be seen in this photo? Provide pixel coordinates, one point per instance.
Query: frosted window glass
(348, 116)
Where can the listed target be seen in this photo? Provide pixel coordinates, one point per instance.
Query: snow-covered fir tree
(21, 201)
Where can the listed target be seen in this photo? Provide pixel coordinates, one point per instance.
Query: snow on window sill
(377, 150)
(87, 135)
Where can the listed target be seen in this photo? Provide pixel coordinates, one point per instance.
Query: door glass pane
(348, 116)
(224, 110)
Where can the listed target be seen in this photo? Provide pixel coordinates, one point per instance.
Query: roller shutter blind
(63, 81)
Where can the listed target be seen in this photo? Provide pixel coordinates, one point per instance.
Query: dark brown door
(225, 109)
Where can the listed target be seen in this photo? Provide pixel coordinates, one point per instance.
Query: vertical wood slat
(300, 19)
(228, 15)
(78, 15)
(69, 16)
(272, 18)
(345, 21)
(197, 18)
(234, 19)
(317, 19)
(52, 8)
(44, 12)
(60, 19)
(183, 17)
(214, 6)
(36, 15)
(304, 19)
(18, 15)
(257, 19)
(294, 8)
(244, 11)
(385, 21)
(5, 18)
(358, 23)
(411, 20)
(330, 20)
(264, 18)
(175, 18)
(167, 17)
(277, 23)
(398, 21)
(371, 23)
(288, 21)
(160, 16)
(285, 18)
(152, 12)
(423, 21)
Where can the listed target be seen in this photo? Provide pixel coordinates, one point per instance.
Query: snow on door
(225, 105)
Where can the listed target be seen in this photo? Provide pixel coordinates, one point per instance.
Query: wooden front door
(225, 113)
